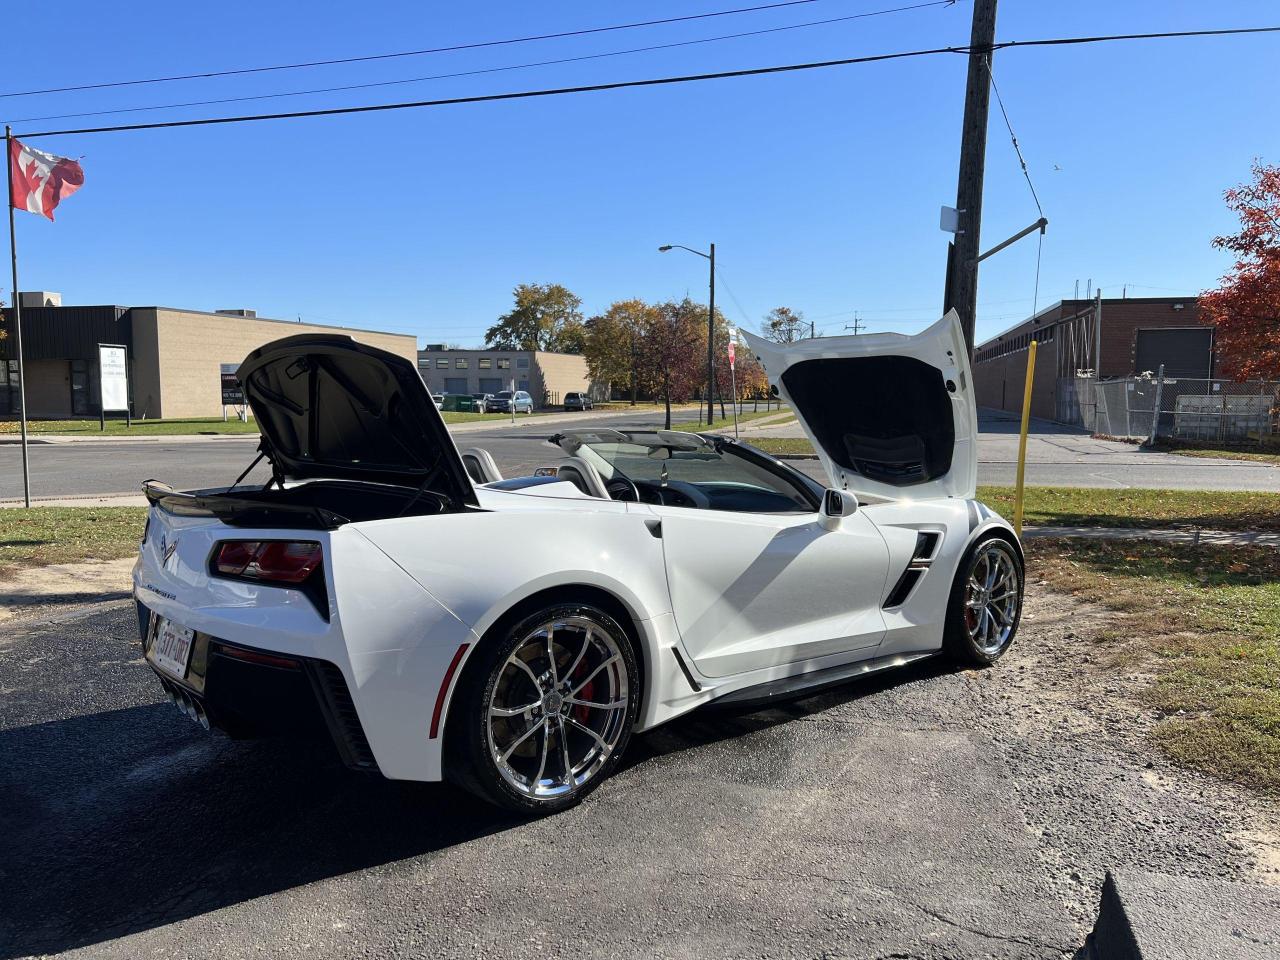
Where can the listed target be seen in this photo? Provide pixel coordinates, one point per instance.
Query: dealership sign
(232, 391)
(113, 376)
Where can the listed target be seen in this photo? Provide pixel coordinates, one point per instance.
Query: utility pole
(856, 326)
(711, 342)
(962, 273)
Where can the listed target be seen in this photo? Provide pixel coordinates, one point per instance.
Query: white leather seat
(480, 465)
(583, 476)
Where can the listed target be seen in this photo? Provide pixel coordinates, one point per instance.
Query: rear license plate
(171, 647)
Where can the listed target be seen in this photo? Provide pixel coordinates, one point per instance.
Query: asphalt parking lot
(926, 813)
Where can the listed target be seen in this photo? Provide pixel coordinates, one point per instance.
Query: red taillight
(282, 561)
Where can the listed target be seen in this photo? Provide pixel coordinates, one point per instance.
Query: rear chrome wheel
(558, 708)
(548, 709)
(986, 603)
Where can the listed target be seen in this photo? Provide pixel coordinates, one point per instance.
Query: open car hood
(331, 408)
(890, 415)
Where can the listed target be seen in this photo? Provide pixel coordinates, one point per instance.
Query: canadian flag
(39, 180)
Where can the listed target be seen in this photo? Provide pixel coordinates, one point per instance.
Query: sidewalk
(1214, 538)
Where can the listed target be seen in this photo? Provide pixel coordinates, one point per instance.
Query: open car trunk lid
(889, 415)
(331, 408)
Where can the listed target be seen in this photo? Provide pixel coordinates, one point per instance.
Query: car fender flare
(563, 582)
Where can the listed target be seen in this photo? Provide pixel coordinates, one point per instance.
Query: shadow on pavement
(122, 821)
(126, 820)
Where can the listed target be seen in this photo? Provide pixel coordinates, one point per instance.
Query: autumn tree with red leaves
(1245, 309)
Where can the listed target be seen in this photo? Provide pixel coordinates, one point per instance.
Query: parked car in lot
(483, 402)
(652, 573)
(504, 401)
(577, 401)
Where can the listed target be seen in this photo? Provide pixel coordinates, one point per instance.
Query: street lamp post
(711, 324)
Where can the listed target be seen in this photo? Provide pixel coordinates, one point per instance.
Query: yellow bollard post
(1022, 438)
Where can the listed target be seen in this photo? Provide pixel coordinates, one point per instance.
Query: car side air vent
(340, 716)
(926, 546)
(902, 589)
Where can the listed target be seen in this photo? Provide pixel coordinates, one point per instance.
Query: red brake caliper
(581, 713)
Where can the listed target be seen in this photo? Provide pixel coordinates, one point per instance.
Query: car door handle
(655, 528)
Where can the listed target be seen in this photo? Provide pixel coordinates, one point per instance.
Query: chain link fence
(1178, 408)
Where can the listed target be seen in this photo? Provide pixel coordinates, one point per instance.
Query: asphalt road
(925, 813)
(1057, 456)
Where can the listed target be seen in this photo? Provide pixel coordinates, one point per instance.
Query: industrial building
(174, 356)
(546, 376)
(1080, 340)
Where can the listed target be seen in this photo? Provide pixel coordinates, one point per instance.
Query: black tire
(471, 743)
(959, 642)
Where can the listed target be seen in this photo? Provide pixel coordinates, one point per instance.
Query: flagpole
(17, 319)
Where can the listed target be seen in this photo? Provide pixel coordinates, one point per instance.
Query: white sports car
(511, 635)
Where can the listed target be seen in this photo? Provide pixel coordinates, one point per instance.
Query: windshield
(504, 395)
(681, 469)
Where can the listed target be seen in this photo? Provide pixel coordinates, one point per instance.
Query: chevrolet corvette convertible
(437, 621)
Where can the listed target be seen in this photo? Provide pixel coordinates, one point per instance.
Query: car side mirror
(836, 505)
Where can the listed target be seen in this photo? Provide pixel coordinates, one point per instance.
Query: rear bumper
(250, 693)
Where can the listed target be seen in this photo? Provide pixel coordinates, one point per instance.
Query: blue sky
(820, 189)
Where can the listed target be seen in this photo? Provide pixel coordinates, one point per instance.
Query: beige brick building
(546, 376)
(174, 356)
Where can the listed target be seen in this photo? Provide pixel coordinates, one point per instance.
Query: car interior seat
(480, 465)
(583, 476)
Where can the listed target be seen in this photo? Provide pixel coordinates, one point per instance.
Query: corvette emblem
(167, 548)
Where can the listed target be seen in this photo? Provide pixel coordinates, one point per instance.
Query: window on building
(485, 363)
(460, 363)
(522, 363)
(442, 363)
(504, 363)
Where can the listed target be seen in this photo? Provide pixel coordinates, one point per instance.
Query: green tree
(784, 325)
(545, 317)
(613, 344)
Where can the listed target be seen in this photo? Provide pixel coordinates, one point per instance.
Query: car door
(891, 416)
(751, 591)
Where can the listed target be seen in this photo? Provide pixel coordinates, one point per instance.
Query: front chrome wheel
(992, 597)
(559, 706)
(986, 603)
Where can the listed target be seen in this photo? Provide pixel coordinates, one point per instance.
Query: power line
(1012, 136)
(488, 70)
(1035, 299)
(412, 53)
(628, 84)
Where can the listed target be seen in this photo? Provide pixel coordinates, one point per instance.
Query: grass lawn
(140, 428)
(721, 423)
(457, 416)
(1260, 456)
(782, 446)
(1208, 621)
(1087, 506)
(44, 535)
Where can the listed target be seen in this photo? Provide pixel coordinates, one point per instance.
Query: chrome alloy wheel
(991, 599)
(558, 708)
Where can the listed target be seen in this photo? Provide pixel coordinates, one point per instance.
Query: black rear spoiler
(240, 511)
